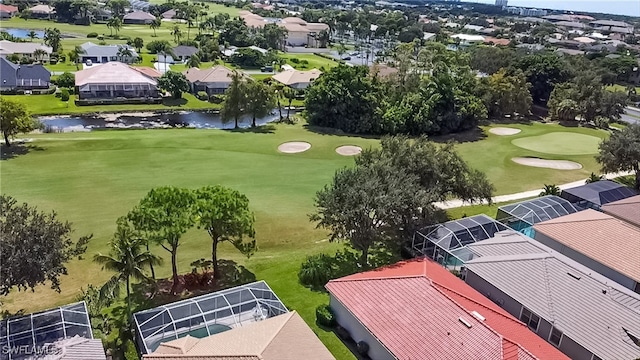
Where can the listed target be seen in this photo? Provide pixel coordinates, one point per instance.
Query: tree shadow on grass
(158, 293)
(17, 149)
(262, 129)
(473, 135)
(174, 102)
(337, 132)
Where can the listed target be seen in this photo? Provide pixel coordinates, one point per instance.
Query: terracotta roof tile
(626, 209)
(421, 311)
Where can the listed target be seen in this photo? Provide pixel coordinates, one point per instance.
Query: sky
(619, 7)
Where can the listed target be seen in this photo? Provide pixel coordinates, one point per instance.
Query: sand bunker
(504, 131)
(293, 147)
(550, 164)
(349, 150)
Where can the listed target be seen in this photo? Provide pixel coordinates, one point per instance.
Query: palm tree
(32, 35)
(194, 61)
(594, 178)
(154, 25)
(177, 33)
(124, 52)
(550, 190)
(74, 55)
(39, 54)
(289, 94)
(127, 259)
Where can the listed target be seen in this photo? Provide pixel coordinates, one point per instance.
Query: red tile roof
(8, 8)
(415, 308)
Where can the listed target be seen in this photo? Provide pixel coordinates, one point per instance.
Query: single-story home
(282, 337)
(607, 245)
(114, 80)
(626, 209)
(27, 77)
(100, 54)
(7, 11)
(419, 310)
(42, 11)
(297, 79)
(183, 52)
(24, 49)
(138, 17)
(466, 39)
(169, 14)
(214, 80)
(582, 313)
(299, 32)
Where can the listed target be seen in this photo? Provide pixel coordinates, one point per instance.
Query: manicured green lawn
(91, 179)
(618, 87)
(561, 143)
(51, 105)
(493, 156)
(314, 61)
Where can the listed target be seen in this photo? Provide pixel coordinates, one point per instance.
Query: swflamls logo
(30, 350)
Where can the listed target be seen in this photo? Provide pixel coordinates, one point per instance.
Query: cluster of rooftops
(555, 277)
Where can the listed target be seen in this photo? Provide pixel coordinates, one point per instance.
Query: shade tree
(621, 152)
(15, 119)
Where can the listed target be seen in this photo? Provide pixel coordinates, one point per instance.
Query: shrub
(316, 271)
(62, 58)
(64, 94)
(71, 91)
(342, 333)
(216, 99)
(362, 348)
(92, 35)
(304, 62)
(66, 80)
(324, 316)
(201, 95)
(100, 37)
(295, 60)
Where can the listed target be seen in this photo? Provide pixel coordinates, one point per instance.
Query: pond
(24, 33)
(149, 120)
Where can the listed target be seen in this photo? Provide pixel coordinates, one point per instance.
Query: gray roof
(611, 23)
(508, 242)
(590, 309)
(92, 49)
(139, 15)
(79, 348)
(183, 50)
(32, 75)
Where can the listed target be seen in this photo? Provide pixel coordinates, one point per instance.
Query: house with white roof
(115, 80)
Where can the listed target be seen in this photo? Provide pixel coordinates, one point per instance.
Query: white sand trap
(349, 150)
(504, 131)
(550, 164)
(293, 147)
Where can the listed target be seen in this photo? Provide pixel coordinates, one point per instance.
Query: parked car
(346, 58)
(266, 69)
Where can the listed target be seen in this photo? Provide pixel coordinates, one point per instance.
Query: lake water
(23, 33)
(187, 119)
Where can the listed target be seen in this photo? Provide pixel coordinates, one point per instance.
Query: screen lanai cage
(446, 243)
(206, 315)
(523, 215)
(28, 336)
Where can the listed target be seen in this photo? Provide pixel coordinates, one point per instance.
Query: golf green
(561, 143)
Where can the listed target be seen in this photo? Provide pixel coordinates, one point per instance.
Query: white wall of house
(297, 38)
(358, 332)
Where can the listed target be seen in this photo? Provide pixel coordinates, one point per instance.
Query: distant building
(24, 49)
(501, 2)
(42, 12)
(26, 77)
(526, 12)
(7, 11)
(100, 54)
(215, 80)
(297, 79)
(299, 32)
(138, 17)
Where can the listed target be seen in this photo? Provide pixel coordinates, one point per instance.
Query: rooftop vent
(465, 322)
(478, 316)
(574, 276)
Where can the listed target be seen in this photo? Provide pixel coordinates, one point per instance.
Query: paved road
(521, 195)
(631, 115)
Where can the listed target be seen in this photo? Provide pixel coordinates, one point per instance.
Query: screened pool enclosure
(446, 243)
(523, 215)
(206, 315)
(25, 336)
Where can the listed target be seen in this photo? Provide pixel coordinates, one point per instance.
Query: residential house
(215, 80)
(613, 26)
(100, 14)
(183, 52)
(584, 40)
(297, 79)
(299, 32)
(169, 14)
(466, 39)
(148, 71)
(282, 337)
(114, 80)
(42, 12)
(419, 310)
(64, 331)
(496, 41)
(570, 52)
(570, 25)
(7, 11)
(596, 194)
(211, 315)
(26, 49)
(585, 315)
(138, 17)
(26, 77)
(626, 209)
(607, 245)
(100, 54)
